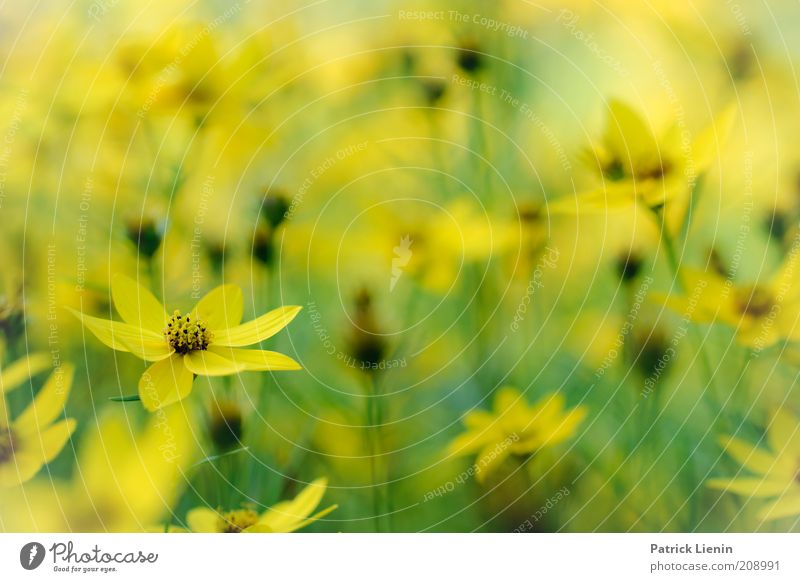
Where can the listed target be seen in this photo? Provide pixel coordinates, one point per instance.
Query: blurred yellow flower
(514, 428)
(124, 478)
(777, 470)
(284, 517)
(637, 166)
(204, 342)
(34, 438)
(762, 314)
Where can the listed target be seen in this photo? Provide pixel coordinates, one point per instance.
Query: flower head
(515, 428)
(284, 517)
(762, 313)
(639, 167)
(206, 341)
(35, 437)
(776, 470)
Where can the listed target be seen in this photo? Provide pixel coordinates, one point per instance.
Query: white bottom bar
(370, 557)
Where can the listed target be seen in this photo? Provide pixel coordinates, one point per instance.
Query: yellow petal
(565, 428)
(473, 441)
(750, 487)
(549, 406)
(15, 374)
(713, 298)
(608, 198)
(783, 434)
(136, 305)
(49, 402)
(258, 329)
(628, 136)
(165, 382)
(507, 398)
(207, 363)
(5, 416)
(110, 432)
(221, 308)
(748, 456)
(477, 419)
(759, 334)
(546, 410)
(787, 506)
(258, 528)
(513, 412)
(257, 360)
(36, 450)
(52, 440)
(117, 335)
(784, 283)
(18, 469)
(707, 144)
(709, 285)
(786, 323)
(148, 347)
(203, 520)
(287, 516)
(11, 473)
(312, 519)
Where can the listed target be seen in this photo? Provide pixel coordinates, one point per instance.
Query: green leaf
(128, 398)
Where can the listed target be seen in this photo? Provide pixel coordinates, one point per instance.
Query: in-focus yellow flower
(638, 167)
(206, 341)
(777, 471)
(283, 517)
(762, 314)
(34, 438)
(515, 428)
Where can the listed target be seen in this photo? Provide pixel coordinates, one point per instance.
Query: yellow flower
(34, 438)
(777, 471)
(636, 166)
(762, 314)
(284, 517)
(125, 477)
(205, 342)
(515, 428)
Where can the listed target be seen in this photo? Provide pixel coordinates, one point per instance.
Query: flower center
(184, 335)
(6, 445)
(655, 171)
(236, 521)
(755, 302)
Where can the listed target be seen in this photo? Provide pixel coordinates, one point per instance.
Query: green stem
(262, 396)
(674, 265)
(152, 272)
(381, 501)
(373, 438)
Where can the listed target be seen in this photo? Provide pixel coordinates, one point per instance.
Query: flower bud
(274, 207)
(367, 346)
(225, 425)
(146, 232)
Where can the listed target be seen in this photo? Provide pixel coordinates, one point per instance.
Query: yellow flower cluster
(522, 268)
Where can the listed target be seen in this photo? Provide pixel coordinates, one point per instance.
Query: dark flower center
(238, 520)
(185, 335)
(6, 445)
(755, 302)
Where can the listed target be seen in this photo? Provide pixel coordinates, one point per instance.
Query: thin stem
(674, 265)
(262, 396)
(373, 439)
(152, 272)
